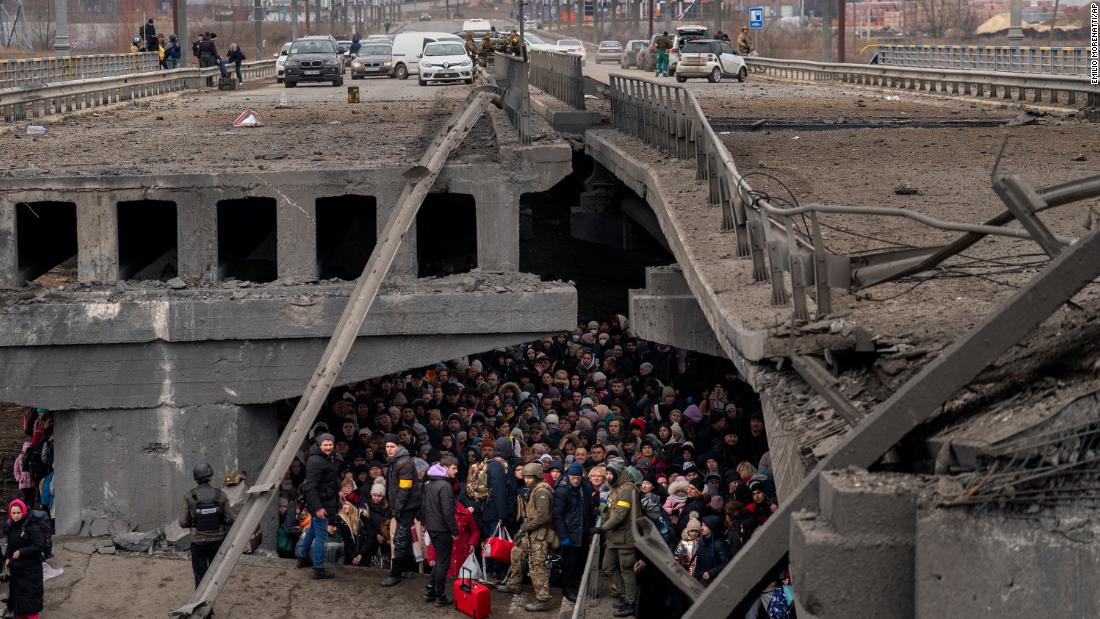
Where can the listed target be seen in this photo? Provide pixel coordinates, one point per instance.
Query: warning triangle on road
(248, 119)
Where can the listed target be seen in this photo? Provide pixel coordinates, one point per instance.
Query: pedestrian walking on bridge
(663, 44)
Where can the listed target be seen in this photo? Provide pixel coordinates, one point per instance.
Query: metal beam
(1025, 203)
(818, 377)
(421, 178)
(919, 400)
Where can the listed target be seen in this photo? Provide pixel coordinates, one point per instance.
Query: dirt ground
(145, 586)
(192, 132)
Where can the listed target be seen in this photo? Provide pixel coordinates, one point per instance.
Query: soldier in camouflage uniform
(618, 532)
(515, 44)
(535, 540)
(486, 50)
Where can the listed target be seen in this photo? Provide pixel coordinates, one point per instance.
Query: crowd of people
(546, 445)
(204, 49)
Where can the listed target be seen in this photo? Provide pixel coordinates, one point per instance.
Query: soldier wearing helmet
(535, 540)
(206, 513)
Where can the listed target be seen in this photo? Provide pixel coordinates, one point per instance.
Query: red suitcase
(471, 598)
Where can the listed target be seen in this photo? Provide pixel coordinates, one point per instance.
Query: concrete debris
(83, 547)
(906, 189)
(118, 527)
(235, 494)
(1081, 157)
(1022, 120)
(140, 541)
(177, 536)
(176, 283)
(99, 527)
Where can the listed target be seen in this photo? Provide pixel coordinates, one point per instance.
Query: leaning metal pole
(917, 401)
(259, 497)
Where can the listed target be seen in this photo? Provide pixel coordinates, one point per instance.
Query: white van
(477, 26)
(407, 47)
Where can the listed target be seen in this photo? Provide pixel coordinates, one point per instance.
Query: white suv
(445, 61)
(712, 59)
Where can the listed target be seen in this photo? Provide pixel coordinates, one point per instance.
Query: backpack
(32, 462)
(780, 606)
(477, 481)
(43, 521)
(652, 509)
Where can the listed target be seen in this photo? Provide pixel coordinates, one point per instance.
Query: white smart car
(445, 61)
(712, 59)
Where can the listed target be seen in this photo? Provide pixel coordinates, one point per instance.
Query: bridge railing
(668, 117)
(1066, 90)
(18, 104)
(1042, 60)
(39, 71)
(512, 85)
(559, 75)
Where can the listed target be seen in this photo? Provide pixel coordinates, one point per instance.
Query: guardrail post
(794, 265)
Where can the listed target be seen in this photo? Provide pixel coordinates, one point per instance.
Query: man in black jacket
(438, 517)
(403, 488)
(573, 521)
(322, 498)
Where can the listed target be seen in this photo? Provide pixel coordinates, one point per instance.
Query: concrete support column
(96, 237)
(497, 208)
(385, 200)
(296, 229)
(9, 245)
(197, 235)
(136, 464)
(867, 523)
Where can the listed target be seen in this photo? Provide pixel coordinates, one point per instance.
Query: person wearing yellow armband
(619, 556)
(403, 488)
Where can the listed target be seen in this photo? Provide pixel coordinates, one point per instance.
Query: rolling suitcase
(471, 597)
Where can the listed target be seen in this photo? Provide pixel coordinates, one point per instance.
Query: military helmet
(533, 469)
(203, 472)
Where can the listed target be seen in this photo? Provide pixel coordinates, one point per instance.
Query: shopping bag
(498, 546)
(472, 568)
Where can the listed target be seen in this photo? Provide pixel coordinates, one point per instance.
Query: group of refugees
(29, 525)
(204, 49)
(545, 446)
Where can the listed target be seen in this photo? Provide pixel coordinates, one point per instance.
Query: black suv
(314, 59)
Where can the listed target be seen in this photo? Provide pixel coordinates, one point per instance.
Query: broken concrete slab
(82, 547)
(138, 541)
(99, 527)
(177, 536)
(118, 527)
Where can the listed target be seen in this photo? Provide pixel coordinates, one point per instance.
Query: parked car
(629, 57)
(374, 59)
(647, 58)
(533, 42)
(445, 61)
(529, 24)
(407, 47)
(425, 17)
(712, 59)
(572, 46)
(314, 59)
(608, 50)
(280, 63)
(477, 26)
(343, 46)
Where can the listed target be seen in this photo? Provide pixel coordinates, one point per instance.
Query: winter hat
(677, 486)
(645, 368)
(325, 437)
(693, 413)
(575, 469)
(692, 525)
(284, 502)
(712, 524)
(392, 438)
(602, 410)
(421, 465)
(552, 418)
(688, 467)
(699, 484)
(639, 423)
(668, 391)
(419, 429)
(598, 376)
(378, 487)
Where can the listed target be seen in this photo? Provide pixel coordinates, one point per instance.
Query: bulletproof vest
(206, 515)
(206, 46)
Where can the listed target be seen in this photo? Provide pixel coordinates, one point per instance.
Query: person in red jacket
(467, 538)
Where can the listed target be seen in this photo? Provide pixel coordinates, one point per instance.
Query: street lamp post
(61, 31)
(1015, 15)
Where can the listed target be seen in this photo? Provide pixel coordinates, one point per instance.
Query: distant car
(533, 42)
(445, 61)
(425, 17)
(374, 59)
(608, 50)
(343, 46)
(408, 46)
(477, 26)
(629, 57)
(712, 59)
(571, 46)
(280, 63)
(529, 24)
(647, 58)
(314, 59)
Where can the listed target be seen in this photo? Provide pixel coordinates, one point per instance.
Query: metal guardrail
(39, 71)
(668, 117)
(515, 96)
(18, 104)
(559, 75)
(1041, 60)
(589, 588)
(1056, 89)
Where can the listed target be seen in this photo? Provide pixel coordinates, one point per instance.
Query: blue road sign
(756, 17)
